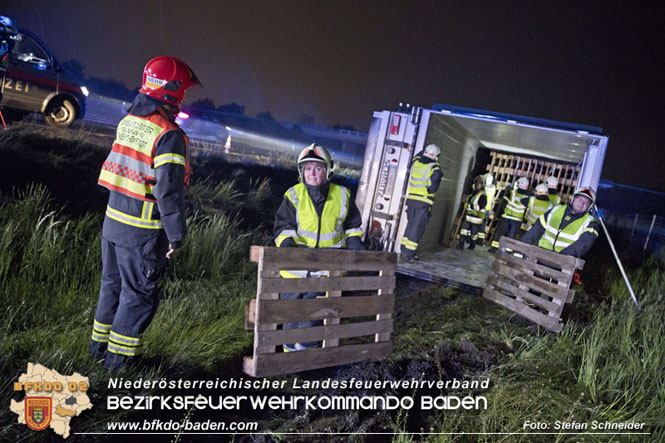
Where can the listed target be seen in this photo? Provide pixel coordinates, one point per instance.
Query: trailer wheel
(60, 113)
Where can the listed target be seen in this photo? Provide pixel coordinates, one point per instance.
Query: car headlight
(85, 91)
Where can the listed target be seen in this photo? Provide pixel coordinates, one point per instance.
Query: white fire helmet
(541, 189)
(552, 182)
(588, 193)
(432, 151)
(522, 184)
(315, 153)
(489, 180)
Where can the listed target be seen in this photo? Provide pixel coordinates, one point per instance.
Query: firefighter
(8, 35)
(315, 213)
(146, 173)
(567, 229)
(490, 191)
(424, 181)
(538, 205)
(473, 228)
(552, 185)
(512, 212)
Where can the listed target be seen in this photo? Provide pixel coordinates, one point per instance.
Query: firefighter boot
(472, 244)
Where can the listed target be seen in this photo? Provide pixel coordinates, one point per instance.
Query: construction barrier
(367, 326)
(532, 282)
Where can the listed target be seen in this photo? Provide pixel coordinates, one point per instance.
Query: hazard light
(183, 115)
(397, 120)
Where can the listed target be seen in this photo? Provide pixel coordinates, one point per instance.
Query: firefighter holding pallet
(567, 229)
(475, 216)
(424, 181)
(315, 213)
(146, 172)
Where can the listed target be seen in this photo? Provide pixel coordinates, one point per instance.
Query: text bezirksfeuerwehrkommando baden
(231, 401)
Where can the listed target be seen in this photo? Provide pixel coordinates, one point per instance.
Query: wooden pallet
(507, 168)
(532, 282)
(366, 314)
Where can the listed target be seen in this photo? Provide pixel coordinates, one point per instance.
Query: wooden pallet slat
(326, 332)
(521, 282)
(286, 363)
(285, 311)
(267, 311)
(327, 284)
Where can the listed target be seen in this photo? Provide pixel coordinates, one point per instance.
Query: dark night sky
(588, 62)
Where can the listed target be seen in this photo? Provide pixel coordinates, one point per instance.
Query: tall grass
(49, 281)
(610, 370)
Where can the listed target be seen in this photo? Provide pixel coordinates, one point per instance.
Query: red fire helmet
(167, 79)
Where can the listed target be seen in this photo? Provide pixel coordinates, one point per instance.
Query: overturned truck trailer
(472, 142)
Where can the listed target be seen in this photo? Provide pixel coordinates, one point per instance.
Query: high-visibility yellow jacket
(475, 213)
(555, 238)
(424, 180)
(299, 220)
(514, 207)
(536, 208)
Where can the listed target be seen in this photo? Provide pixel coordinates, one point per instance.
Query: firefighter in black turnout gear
(424, 181)
(146, 173)
(315, 213)
(567, 229)
(475, 215)
(8, 33)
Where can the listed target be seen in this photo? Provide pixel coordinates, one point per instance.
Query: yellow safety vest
(555, 239)
(313, 231)
(490, 192)
(474, 213)
(515, 209)
(420, 180)
(537, 208)
(554, 198)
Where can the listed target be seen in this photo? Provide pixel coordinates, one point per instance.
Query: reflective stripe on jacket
(537, 208)
(555, 239)
(130, 166)
(420, 180)
(474, 213)
(490, 192)
(313, 231)
(514, 208)
(326, 231)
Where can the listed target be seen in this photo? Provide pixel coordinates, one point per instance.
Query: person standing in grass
(146, 173)
(315, 213)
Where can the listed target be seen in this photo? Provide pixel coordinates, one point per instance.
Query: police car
(34, 81)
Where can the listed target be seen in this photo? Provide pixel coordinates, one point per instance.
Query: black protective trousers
(128, 299)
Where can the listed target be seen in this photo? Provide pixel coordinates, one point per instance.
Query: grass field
(607, 364)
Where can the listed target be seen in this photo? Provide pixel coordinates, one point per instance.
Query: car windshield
(28, 50)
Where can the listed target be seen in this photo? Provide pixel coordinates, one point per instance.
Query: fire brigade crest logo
(38, 412)
(51, 399)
